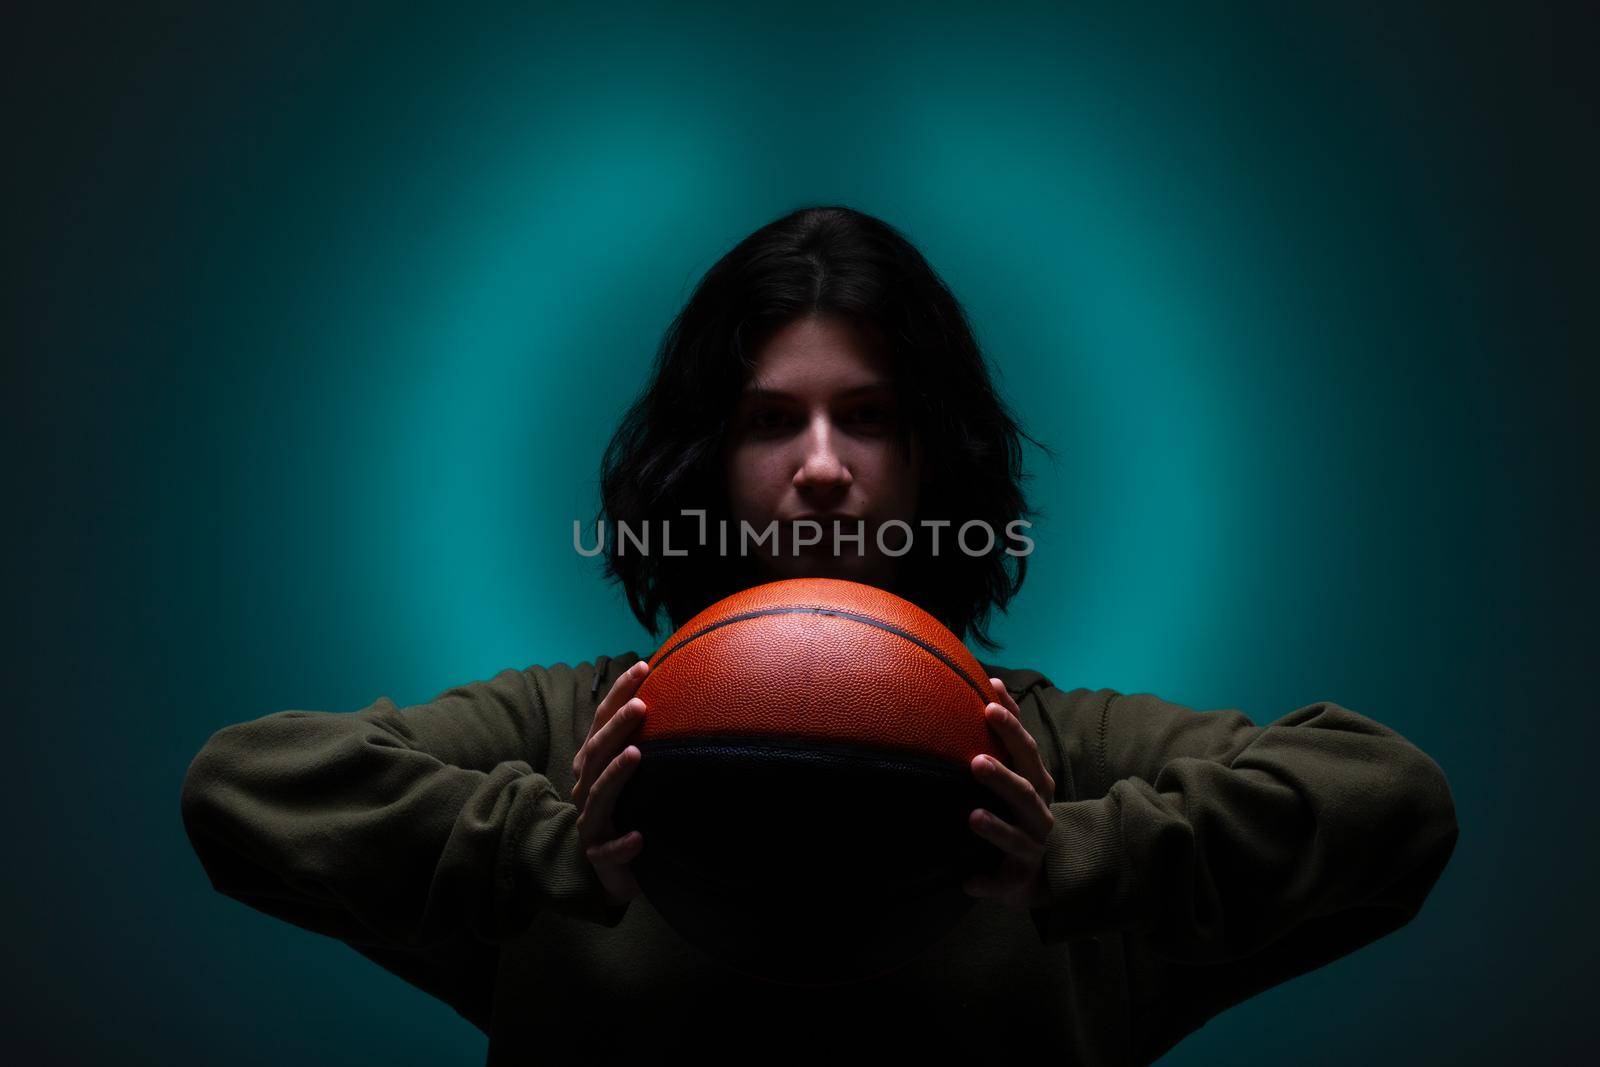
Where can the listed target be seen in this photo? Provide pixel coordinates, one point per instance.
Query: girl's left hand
(1019, 881)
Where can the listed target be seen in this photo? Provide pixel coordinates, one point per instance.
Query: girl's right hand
(603, 765)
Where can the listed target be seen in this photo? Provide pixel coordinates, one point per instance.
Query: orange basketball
(805, 781)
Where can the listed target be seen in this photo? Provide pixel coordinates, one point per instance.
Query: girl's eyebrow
(757, 393)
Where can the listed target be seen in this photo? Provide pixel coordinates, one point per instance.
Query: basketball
(805, 781)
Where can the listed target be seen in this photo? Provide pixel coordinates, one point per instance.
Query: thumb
(611, 860)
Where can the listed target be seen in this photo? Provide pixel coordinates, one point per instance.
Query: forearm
(330, 821)
(1216, 858)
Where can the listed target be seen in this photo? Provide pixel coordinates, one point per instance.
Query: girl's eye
(774, 420)
(872, 417)
(767, 419)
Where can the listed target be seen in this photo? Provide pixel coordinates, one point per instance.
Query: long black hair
(666, 454)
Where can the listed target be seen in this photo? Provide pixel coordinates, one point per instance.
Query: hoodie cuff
(1087, 871)
(545, 866)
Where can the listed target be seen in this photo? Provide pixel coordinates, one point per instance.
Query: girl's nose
(823, 466)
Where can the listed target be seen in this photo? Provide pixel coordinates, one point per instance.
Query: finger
(604, 746)
(989, 826)
(603, 798)
(602, 749)
(618, 850)
(1023, 749)
(1026, 803)
(978, 886)
(622, 690)
(625, 884)
(1006, 700)
(611, 862)
(993, 886)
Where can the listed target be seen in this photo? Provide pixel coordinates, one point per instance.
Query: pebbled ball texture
(805, 781)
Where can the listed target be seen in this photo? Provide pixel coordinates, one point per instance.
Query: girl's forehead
(808, 355)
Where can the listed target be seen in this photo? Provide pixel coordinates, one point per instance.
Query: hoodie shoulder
(1018, 680)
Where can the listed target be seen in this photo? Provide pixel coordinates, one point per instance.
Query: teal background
(322, 320)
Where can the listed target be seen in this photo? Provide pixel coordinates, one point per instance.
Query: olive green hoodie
(1196, 859)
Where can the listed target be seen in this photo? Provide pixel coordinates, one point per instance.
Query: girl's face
(814, 436)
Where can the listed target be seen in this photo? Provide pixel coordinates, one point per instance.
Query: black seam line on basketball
(837, 613)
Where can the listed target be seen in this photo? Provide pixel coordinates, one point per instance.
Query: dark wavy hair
(666, 454)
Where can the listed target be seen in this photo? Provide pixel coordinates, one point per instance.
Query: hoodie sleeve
(1210, 839)
(425, 829)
